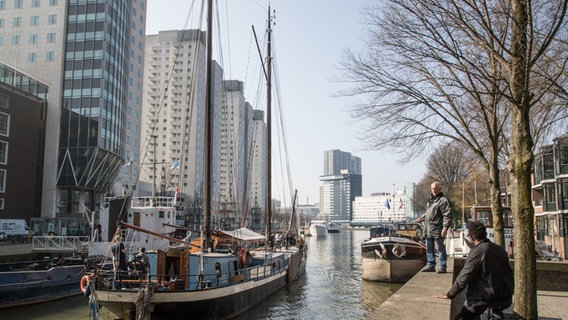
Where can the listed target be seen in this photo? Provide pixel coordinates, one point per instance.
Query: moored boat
(391, 255)
(318, 228)
(40, 281)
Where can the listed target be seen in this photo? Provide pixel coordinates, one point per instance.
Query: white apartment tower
(174, 115)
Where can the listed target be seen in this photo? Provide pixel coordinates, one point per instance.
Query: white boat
(197, 278)
(389, 256)
(318, 228)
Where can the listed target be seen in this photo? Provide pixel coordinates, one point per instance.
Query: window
(2, 203)
(52, 3)
(49, 56)
(2, 181)
(3, 152)
(52, 19)
(4, 101)
(4, 124)
(1, 23)
(32, 57)
(51, 37)
(33, 39)
(35, 3)
(18, 4)
(17, 22)
(15, 40)
(1, 41)
(34, 21)
(2, 4)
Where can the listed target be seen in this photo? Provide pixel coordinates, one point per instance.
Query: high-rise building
(174, 130)
(341, 183)
(89, 52)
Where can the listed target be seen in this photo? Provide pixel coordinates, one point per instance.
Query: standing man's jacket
(438, 215)
(487, 275)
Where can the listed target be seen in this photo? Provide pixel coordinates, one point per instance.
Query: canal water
(331, 289)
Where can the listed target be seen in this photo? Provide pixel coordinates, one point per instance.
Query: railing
(133, 280)
(59, 243)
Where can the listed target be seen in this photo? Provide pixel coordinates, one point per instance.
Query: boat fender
(84, 284)
(382, 252)
(243, 257)
(398, 251)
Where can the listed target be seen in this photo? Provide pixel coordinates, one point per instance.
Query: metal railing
(59, 243)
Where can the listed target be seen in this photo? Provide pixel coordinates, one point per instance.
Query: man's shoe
(429, 269)
(442, 271)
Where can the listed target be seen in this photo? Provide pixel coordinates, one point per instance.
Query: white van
(14, 228)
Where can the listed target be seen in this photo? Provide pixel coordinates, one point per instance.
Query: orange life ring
(84, 283)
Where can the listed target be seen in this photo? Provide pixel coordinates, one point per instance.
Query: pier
(415, 299)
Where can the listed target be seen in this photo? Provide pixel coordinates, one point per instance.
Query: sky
(309, 39)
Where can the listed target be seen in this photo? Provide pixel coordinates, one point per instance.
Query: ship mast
(269, 131)
(208, 154)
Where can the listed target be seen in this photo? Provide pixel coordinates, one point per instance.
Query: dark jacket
(438, 215)
(487, 275)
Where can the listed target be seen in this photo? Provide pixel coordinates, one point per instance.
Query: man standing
(487, 275)
(437, 222)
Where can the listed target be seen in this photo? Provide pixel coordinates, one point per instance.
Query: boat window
(161, 214)
(218, 269)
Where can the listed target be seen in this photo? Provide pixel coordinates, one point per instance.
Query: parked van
(14, 229)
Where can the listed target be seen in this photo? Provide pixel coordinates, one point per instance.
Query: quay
(414, 300)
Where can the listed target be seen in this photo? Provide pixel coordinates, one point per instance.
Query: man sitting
(487, 276)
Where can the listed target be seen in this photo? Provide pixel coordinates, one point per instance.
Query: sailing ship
(392, 254)
(216, 275)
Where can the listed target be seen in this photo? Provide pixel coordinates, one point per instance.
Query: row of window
(33, 38)
(34, 21)
(19, 4)
(32, 56)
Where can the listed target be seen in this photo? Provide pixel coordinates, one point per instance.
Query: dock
(414, 300)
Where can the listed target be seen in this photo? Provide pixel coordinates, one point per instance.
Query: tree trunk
(496, 206)
(520, 164)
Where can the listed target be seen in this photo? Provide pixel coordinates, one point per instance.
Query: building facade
(89, 52)
(23, 107)
(372, 210)
(550, 195)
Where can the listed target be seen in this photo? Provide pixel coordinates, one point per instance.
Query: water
(331, 289)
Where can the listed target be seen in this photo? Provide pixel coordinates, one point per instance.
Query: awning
(244, 234)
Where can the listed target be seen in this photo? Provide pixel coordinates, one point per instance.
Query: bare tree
(476, 72)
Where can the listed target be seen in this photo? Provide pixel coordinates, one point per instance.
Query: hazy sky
(309, 37)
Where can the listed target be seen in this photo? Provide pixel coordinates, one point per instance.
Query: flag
(176, 195)
(175, 165)
(387, 204)
(401, 205)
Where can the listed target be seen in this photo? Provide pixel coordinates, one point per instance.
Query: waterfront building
(372, 210)
(23, 108)
(341, 183)
(90, 55)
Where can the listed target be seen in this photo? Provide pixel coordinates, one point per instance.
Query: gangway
(69, 244)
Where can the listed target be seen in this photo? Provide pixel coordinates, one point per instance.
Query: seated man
(487, 276)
